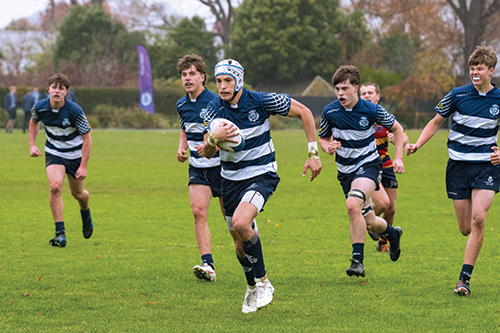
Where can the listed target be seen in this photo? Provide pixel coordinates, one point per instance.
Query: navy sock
(390, 233)
(253, 250)
(59, 227)
(248, 269)
(358, 251)
(466, 272)
(207, 258)
(85, 214)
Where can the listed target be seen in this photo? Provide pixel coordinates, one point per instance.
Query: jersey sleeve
(384, 117)
(82, 124)
(275, 103)
(446, 107)
(325, 131)
(211, 112)
(34, 114)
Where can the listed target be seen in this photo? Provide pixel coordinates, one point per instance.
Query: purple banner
(146, 101)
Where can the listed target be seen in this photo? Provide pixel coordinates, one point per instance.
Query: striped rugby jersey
(475, 122)
(252, 117)
(383, 145)
(355, 130)
(63, 128)
(191, 118)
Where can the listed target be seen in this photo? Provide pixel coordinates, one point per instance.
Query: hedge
(89, 98)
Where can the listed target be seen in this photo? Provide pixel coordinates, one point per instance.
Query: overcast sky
(16, 9)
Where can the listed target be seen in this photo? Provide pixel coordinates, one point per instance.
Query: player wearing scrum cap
(249, 177)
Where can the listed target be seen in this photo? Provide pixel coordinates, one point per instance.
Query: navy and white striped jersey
(252, 117)
(475, 122)
(191, 117)
(355, 130)
(64, 128)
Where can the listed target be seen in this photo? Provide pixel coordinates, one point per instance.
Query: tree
(143, 15)
(456, 26)
(102, 50)
(475, 16)
(224, 16)
(399, 52)
(283, 39)
(189, 36)
(22, 24)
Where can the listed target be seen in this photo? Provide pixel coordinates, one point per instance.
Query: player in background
(204, 174)
(67, 151)
(384, 199)
(347, 130)
(473, 171)
(249, 177)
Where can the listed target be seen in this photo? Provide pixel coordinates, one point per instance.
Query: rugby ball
(231, 147)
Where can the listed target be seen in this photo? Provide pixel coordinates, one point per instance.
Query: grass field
(134, 274)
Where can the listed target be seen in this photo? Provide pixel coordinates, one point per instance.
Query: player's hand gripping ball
(231, 147)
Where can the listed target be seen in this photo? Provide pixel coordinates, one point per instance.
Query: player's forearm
(183, 144)
(298, 110)
(398, 132)
(429, 130)
(33, 132)
(208, 149)
(324, 144)
(86, 148)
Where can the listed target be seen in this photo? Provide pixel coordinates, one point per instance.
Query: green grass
(134, 274)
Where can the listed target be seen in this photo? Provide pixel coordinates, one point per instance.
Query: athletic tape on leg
(357, 194)
(229, 222)
(255, 198)
(366, 210)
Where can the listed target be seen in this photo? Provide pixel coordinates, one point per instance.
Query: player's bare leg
(481, 202)
(199, 197)
(55, 176)
(83, 198)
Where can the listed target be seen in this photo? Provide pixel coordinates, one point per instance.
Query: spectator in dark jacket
(10, 105)
(27, 103)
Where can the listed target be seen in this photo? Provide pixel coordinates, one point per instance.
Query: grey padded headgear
(233, 68)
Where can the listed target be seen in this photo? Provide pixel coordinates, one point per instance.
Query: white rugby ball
(231, 147)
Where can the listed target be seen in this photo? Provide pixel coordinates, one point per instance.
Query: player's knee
(199, 213)
(478, 221)
(240, 224)
(55, 188)
(355, 201)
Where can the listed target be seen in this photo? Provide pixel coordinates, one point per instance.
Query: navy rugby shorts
(70, 165)
(371, 170)
(206, 176)
(462, 177)
(389, 178)
(233, 191)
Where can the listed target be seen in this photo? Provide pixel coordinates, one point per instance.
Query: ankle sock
(358, 251)
(248, 269)
(60, 227)
(85, 214)
(466, 272)
(253, 251)
(390, 233)
(207, 258)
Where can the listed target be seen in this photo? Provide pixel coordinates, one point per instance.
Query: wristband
(312, 148)
(212, 140)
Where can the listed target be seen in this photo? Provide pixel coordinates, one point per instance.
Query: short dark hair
(377, 88)
(483, 55)
(60, 80)
(346, 73)
(192, 59)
